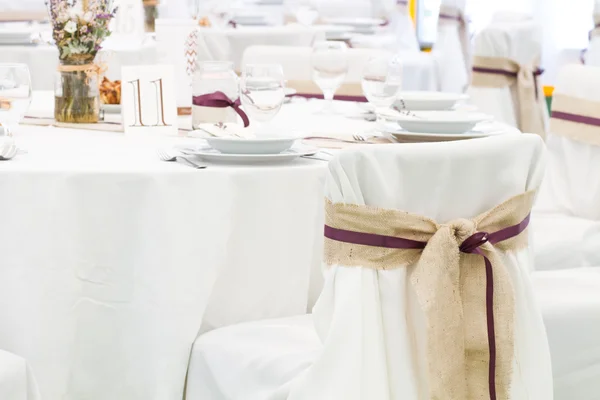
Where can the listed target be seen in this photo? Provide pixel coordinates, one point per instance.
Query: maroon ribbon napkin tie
(219, 99)
(471, 245)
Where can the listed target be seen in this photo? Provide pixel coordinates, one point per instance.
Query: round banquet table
(112, 259)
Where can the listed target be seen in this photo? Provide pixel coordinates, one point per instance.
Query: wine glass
(15, 95)
(262, 93)
(329, 68)
(381, 81)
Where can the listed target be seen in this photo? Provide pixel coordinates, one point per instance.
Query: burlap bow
(452, 268)
(497, 72)
(576, 118)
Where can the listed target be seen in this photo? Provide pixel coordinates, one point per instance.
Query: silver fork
(359, 138)
(164, 155)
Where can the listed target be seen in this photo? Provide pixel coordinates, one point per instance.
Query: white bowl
(259, 145)
(449, 122)
(428, 101)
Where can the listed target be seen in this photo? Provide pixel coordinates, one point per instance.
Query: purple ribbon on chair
(536, 73)
(471, 245)
(219, 99)
(580, 119)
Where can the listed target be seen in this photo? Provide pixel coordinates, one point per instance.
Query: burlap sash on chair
(497, 72)
(347, 91)
(460, 280)
(575, 118)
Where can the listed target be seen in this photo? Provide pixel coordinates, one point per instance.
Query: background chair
(567, 217)
(518, 43)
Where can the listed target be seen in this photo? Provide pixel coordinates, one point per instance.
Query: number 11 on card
(137, 101)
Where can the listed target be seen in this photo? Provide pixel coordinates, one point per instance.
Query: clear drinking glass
(329, 68)
(381, 81)
(262, 94)
(15, 95)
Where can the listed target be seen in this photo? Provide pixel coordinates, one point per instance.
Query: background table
(113, 261)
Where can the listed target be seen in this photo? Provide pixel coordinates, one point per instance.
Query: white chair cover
(403, 27)
(511, 16)
(229, 44)
(453, 47)
(592, 55)
(16, 379)
(570, 303)
(345, 8)
(519, 42)
(369, 323)
(418, 69)
(571, 192)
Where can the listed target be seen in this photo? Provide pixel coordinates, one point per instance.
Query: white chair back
(520, 43)
(230, 44)
(572, 184)
(16, 379)
(369, 320)
(296, 60)
(592, 55)
(452, 48)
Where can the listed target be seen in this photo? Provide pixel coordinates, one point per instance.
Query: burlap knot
(498, 72)
(452, 267)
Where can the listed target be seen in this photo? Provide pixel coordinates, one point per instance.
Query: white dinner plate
(259, 145)
(355, 22)
(289, 91)
(446, 122)
(209, 154)
(428, 101)
(483, 129)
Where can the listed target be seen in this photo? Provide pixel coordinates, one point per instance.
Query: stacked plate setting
(238, 149)
(436, 116)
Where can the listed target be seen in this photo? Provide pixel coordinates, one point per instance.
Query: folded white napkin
(224, 130)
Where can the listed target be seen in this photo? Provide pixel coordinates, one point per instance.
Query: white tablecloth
(43, 60)
(112, 261)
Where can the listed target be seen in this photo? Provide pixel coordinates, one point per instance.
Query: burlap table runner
(460, 280)
(498, 72)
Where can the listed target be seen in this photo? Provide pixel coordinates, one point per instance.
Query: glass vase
(76, 91)
(210, 77)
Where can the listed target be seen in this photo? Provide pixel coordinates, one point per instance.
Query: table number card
(128, 25)
(148, 99)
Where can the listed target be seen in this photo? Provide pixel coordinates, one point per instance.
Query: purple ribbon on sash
(219, 99)
(581, 119)
(471, 245)
(536, 73)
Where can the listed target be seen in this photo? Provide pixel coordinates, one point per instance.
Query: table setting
(142, 222)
